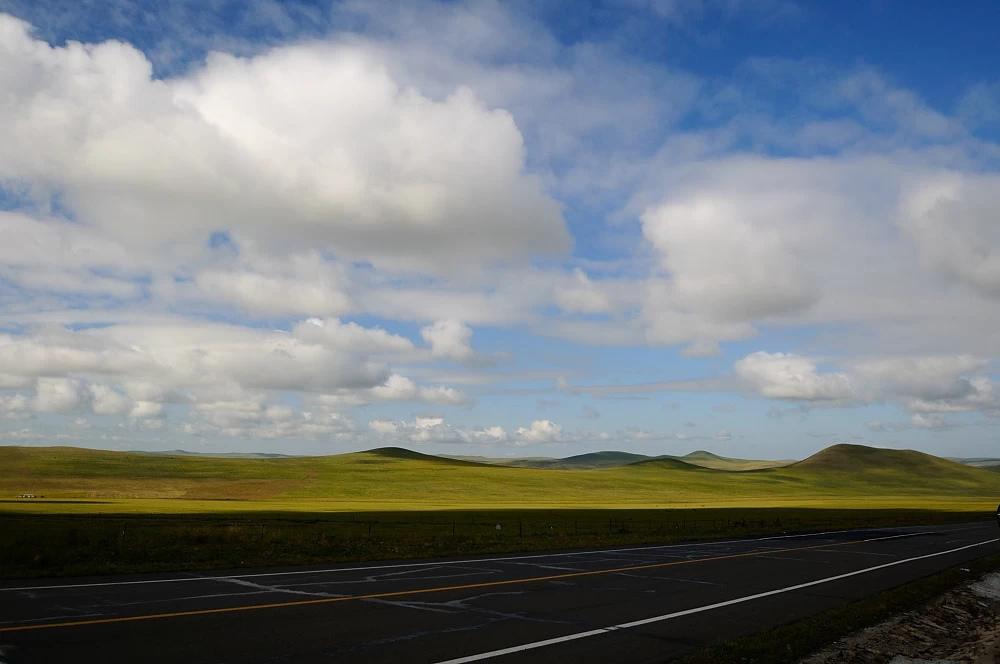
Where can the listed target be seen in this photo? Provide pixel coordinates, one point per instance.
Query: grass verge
(48, 545)
(791, 643)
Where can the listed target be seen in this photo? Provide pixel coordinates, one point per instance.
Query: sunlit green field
(107, 482)
(105, 512)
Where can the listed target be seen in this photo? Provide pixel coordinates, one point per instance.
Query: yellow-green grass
(843, 476)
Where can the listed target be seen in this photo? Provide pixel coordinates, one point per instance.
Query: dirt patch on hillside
(963, 625)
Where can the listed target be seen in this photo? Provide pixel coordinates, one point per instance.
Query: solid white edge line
(333, 570)
(700, 609)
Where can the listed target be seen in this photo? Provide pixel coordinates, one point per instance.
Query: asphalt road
(638, 604)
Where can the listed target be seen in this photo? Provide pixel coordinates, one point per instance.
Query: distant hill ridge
(405, 454)
(398, 476)
(672, 463)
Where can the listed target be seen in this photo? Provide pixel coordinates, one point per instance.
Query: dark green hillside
(670, 463)
(859, 458)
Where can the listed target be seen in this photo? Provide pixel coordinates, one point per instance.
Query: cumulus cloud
(449, 339)
(787, 376)
(350, 336)
(56, 395)
(383, 426)
(953, 219)
(385, 174)
(133, 370)
(401, 388)
(106, 401)
(924, 385)
(582, 296)
(423, 430)
(274, 296)
(727, 259)
(15, 407)
(540, 431)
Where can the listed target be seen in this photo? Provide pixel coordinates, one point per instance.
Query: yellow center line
(417, 591)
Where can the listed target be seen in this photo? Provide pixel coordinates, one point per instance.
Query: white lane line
(700, 609)
(333, 570)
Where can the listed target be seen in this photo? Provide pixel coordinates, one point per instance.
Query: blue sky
(510, 229)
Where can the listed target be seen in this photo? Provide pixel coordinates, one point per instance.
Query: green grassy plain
(122, 512)
(842, 476)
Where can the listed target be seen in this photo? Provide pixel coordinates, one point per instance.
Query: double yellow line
(419, 591)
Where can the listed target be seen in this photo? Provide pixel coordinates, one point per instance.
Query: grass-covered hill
(394, 478)
(612, 459)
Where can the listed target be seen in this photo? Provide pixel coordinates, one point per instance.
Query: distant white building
(27, 495)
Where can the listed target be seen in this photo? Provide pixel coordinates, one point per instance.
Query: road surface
(635, 604)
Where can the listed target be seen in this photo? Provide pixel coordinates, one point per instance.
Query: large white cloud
(922, 384)
(302, 145)
(954, 220)
(134, 369)
(728, 258)
(785, 376)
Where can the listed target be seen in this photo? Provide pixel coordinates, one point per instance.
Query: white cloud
(383, 426)
(933, 422)
(15, 407)
(786, 376)
(350, 336)
(924, 385)
(953, 219)
(428, 422)
(540, 431)
(942, 378)
(56, 395)
(106, 401)
(261, 294)
(449, 339)
(385, 174)
(401, 388)
(143, 409)
(253, 418)
(728, 259)
(582, 296)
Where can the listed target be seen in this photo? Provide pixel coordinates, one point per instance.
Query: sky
(757, 227)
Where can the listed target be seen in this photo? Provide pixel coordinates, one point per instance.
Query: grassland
(110, 511)
(392, 479)
(611, 459)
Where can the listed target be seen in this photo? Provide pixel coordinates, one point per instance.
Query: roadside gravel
(962, 625)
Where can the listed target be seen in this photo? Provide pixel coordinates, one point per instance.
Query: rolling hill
(611, 459)
(403, 479)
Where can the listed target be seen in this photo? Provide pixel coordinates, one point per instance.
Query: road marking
(688, 612)
(418, 591)
(331, 570)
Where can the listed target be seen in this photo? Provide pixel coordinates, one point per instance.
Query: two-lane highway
(638, 604)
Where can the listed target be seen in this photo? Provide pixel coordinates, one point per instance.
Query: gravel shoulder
(962, 625)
